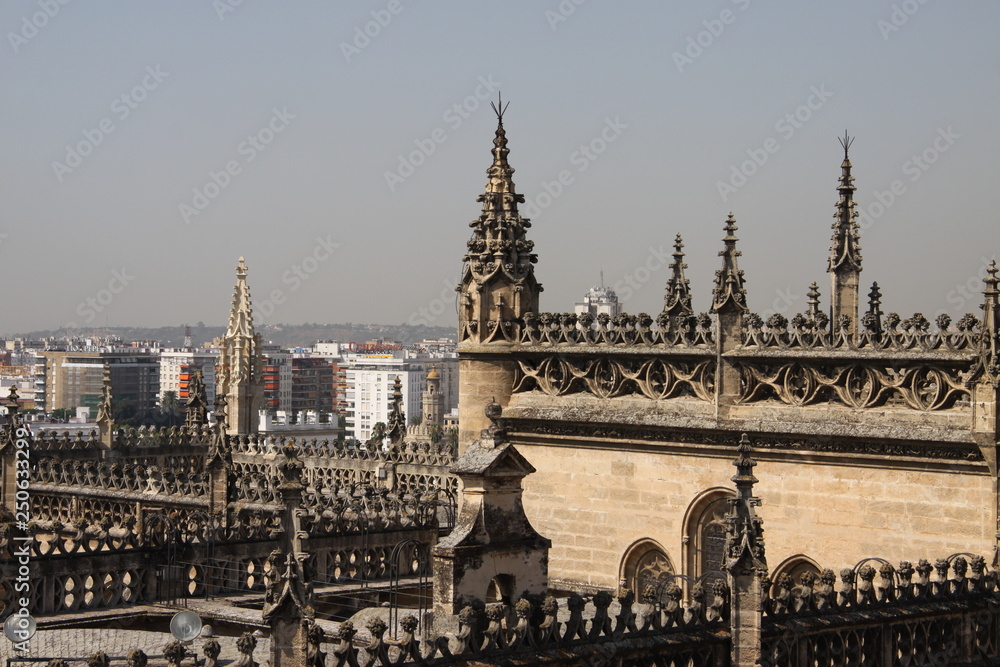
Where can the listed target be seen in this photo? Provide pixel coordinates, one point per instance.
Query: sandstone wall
(593, 503)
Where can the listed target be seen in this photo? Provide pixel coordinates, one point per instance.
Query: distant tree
(169, 412)
(436, 432)
(378, 435)
(62, 414)
(451, 437)
(416, 420)
(127, 414)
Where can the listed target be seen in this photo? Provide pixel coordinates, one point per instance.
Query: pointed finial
(745, 531)
(874, 297)
(991, 301)
(991, 279)
(845, 251)
(813, 300)
(677, 300)
(105, 408)
(495, 435)
(744, 465)
(729, 283)
(730, 226)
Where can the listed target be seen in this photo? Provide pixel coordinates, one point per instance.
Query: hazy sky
(340, 147)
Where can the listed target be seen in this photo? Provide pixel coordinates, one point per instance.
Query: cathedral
(874, 434)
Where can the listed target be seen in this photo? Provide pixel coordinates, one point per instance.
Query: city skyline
(341, 150)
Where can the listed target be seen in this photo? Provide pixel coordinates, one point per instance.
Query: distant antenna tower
(602, 279)
(187, 337)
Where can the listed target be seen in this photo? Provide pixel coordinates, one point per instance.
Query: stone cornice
(665, 438)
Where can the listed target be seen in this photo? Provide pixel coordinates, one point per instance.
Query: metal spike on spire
(499, 107)
(846, 143)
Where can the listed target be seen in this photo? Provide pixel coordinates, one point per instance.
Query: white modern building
(370, 377)
(177, 366)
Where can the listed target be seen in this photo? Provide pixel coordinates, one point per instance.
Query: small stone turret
(493, 546)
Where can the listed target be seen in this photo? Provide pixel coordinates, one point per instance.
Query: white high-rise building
(370, 377)
(177, 365)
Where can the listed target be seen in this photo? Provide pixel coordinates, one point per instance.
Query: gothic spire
(677, 300)
(745, 534)
(241, 362)
(845, 252)
(498, 283)
(500, 198)
(729, 284)
(241, 314)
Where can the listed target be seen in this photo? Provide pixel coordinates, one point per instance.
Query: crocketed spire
(498, 284)
(241, 314)
(241, 362)
(677, 300)
(729, 285)
(745, 535)
(845, 252)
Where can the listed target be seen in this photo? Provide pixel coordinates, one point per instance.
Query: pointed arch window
(705, 532)
(645, 563)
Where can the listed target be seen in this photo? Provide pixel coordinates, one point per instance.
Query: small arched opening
(501, 590)
(644, 564)
(795, 567)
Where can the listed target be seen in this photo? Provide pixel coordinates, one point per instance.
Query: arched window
(645, 563)
(705, 532)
